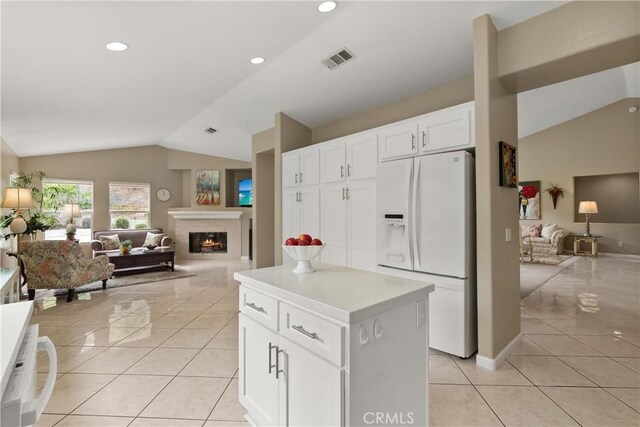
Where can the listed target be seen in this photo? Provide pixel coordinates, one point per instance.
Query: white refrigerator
(426, 230)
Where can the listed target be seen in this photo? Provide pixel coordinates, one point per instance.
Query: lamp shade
(588, 207)
(71, 210)
(17, 198)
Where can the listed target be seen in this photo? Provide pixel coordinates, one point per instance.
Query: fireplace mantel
(205, 214)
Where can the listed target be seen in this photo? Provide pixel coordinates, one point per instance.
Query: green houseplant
(35, 218)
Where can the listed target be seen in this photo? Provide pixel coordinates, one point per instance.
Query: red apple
(306, 237)
(302, 242)
(291, 241)
(316, 242)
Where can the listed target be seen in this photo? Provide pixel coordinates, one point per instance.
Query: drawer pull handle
(255, 307)
(303, 331)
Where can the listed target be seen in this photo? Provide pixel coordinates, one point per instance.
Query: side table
(579, 239)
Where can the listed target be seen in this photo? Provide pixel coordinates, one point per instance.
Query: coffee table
(138, 261)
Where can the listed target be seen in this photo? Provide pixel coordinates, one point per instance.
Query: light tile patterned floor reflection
(165, 354)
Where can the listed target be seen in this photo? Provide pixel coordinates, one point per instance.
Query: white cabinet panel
(361, 225)
(398, 141)
(332, 162)
(310, 211)
(258, 387)
(315, 388)
(309, 166)
(362, 156)
(451, 129)
(333, 224)
(290, 214)
(290, 169)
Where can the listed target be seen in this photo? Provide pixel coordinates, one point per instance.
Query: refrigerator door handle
(414, 215)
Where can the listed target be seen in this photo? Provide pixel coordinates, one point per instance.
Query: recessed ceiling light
(117, 46)
(327, 6)
(257, 60)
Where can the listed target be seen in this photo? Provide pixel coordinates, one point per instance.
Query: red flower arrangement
(529, 191)
(555, 191)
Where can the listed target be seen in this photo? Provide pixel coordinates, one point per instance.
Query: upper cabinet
(449, 129)
(444, 130)
(350, 158)
(301, 167)
(398, 141)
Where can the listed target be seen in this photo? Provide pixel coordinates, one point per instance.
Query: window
(129, 205)
(57, 193)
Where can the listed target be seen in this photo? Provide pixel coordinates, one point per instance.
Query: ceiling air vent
(338, 58)
(210, 130)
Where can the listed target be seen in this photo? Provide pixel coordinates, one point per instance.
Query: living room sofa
(553, 245)
(137, 237)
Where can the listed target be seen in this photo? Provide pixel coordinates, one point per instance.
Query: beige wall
(158, 166)
(578, 38)
(262, 168)
(433, 99)
(497, 269)
(605, 141)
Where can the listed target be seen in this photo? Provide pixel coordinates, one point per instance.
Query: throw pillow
(526, 231)
(535, 230)
(548, 230)
(110, 243)
(153, 239)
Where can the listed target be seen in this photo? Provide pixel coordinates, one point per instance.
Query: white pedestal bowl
(304, 255)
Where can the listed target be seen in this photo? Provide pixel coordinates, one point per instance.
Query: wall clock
(163, 194)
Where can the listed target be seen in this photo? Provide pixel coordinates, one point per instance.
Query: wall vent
(210, 130)
(338, 58)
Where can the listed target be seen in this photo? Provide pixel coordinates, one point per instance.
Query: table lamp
(18, 199)
(71, 211)
(588, 207)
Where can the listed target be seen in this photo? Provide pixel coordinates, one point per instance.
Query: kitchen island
(335, 347)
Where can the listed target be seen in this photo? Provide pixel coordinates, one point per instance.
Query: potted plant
(125, 246)
(35, 218)
(554, 190)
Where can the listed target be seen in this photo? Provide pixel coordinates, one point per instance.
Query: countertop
(14, 319)
(345, 294)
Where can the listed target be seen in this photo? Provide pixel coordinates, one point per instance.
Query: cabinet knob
(378, 332)
(363, 336)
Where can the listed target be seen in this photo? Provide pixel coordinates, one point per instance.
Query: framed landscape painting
(208, 187)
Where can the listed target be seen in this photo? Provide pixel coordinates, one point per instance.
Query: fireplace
(208, 242)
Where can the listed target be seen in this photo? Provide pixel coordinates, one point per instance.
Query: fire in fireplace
(208, 243)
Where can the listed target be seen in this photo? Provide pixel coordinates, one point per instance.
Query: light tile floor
(165, 354)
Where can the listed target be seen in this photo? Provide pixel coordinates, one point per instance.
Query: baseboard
(614, 255)
(493, 364)
(244, 258)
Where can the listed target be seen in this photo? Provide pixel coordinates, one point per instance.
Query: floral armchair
(60, 264)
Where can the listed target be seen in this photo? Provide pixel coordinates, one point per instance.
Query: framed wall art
(208, 187)
(508, 162)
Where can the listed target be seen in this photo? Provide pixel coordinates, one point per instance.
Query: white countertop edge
(14, 319)
(327, 310)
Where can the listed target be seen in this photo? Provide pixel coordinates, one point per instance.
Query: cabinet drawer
(313, 333)
(259, 307)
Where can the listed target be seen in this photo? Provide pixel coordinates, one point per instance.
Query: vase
(554, 198)
(125, 249)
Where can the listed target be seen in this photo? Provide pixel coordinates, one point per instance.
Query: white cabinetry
(300, 167)
(9, 285)
(444, 130)
(313, 355)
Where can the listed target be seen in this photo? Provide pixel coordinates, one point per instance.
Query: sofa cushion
(535, 230)
(547, 230)
(136, 236)
(540, 240)
(110, 242)
(153, 239)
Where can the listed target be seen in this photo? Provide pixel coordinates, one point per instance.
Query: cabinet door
(441, 132)
(398, 141)
(333, 224)
(332, 162)
(310, 211)
(309, 166)
(314, 391)
(290, 169)
(361, 225)
(362, 156)
(290, 214)
(258, 387)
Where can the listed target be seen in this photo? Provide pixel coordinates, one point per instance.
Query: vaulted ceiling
(188, 67)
